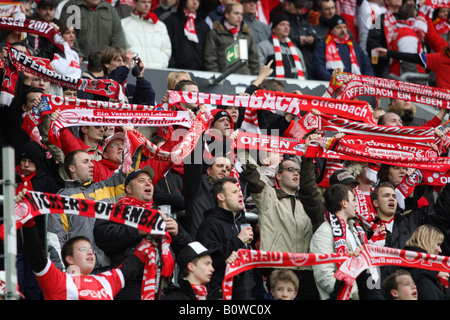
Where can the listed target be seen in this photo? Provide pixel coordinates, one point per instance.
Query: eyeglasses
(84, 249)
(290, 169)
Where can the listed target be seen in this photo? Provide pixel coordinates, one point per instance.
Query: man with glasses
(290, 212)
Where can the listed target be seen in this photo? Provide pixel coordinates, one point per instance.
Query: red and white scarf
(434, 4)
(157, 249)
(350, 267)
(26, 179)
(349, 151)
(189, 26)
(279, 101)
(232, 29)
(339, 227)
(200, 291)
(11, 75)
(279, 68)
(41, 28)
(104, 87)
(150, 16)
(442, 26)
(364, 210)
(39, 203)
(390, 23)
(331, 166)
(8, 88)
(361, 85)
(333, 60)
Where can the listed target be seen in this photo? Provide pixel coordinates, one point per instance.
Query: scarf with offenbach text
(279, 101)
(127, 211)
(361, 85)
(104, 87)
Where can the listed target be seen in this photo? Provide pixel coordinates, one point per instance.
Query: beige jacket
(286, 222)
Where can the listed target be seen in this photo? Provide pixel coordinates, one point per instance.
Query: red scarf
(364, 211)
(333, 60)
(130, 201)
(189, 26)
(442, 26)
(26, 180)
(279, 68)
(200, 291)
(338, 225)
(232, 29)
(149, 16)
(158, 249)
(8, 88)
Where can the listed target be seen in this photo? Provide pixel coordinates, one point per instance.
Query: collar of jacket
(100, 5)
(218, 26)
(249, 16)
(223, 214)
(77, 183)
(281, 194)
(293, 16)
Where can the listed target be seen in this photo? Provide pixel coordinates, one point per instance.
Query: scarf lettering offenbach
(39, 203)
(127, 211)
(274, 101)
(372, 86)
(104, 87)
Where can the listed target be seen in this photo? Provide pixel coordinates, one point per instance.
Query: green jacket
(98, 30)
(219, 39)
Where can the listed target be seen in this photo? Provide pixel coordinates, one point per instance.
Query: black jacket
(180, 291)
(169, 191)
(185, 53)
(437, 214)
(220, 231)
(119, 241)
(426, 281)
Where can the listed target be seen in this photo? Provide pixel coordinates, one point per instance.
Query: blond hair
(173, 78)
(426, 237)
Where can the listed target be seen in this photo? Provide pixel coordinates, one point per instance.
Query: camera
(136, 69)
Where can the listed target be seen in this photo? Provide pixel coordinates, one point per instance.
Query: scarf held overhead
(273, 101)
(104, 87)
(39, 203)
(350, 267)
(41, 28)
(388, 88)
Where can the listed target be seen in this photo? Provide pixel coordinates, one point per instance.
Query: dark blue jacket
(319, 70)
(140, 93)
